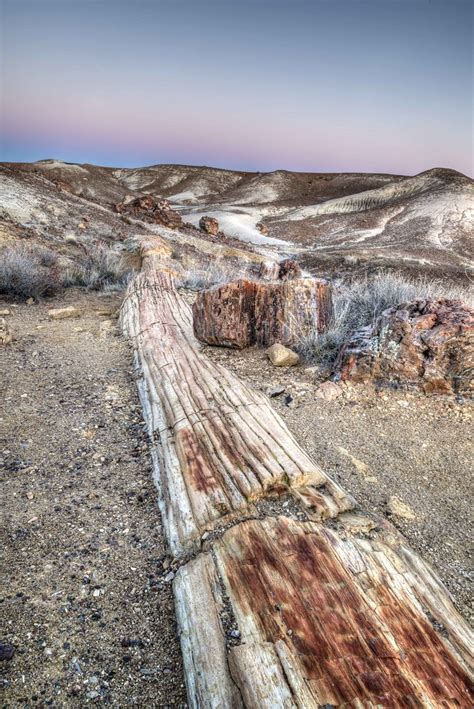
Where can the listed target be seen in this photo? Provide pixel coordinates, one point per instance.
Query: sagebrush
(28, 271)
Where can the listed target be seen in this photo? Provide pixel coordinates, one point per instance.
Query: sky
(310, 85)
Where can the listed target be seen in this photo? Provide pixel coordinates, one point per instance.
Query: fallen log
(318, 605)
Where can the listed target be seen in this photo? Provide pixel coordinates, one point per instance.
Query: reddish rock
(263, 229)
(147, 209)
(245, 312)
(209, 225)
(426, 344)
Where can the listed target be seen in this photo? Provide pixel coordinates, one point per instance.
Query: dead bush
(28, 271)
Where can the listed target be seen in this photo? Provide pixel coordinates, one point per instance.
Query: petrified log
(244, 313)
(275, 611)
(426, 344)
(219, 445)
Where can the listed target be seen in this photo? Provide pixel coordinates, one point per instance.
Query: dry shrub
(28, 271)
(101, 268)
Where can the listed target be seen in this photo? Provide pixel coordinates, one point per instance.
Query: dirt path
(379, 445)
(84, 598)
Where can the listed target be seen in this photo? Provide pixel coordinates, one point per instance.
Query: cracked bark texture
(334, 609)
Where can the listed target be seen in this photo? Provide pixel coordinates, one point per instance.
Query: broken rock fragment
(5, 332)
(63, 313)
(281, 356)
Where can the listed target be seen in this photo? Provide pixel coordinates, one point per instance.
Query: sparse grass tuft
(28, 271)
(360, 302)
(100, 269)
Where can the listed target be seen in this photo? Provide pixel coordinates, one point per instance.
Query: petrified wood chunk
(245, 312)
(210, 225)
(148, 209)
(428, 344)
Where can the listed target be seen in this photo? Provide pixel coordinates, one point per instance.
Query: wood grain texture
(327, 619)
(334, 611)
(245, 312)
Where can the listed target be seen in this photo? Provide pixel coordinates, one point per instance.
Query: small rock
(5, 311)
(328, 391)
(398, 508)
(263, 229)
(169, 577)
(276, 391)
(62, 313)
(7, 650)
(5, 333)
(281, 356)
(30, 301)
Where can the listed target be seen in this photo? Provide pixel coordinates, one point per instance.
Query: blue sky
(340, 85)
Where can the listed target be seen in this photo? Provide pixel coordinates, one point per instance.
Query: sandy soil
(383, 444)
(84, 599)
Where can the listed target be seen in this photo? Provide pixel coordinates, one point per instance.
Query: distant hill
(331, 221)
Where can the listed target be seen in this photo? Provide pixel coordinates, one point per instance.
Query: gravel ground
(384, 444)
(84, 601)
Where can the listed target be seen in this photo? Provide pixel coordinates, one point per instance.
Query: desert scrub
(28, 271)
(360, 302)
(100, 268)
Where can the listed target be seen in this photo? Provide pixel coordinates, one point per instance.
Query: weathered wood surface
(244, 312)
(325, 620)
(332, 609)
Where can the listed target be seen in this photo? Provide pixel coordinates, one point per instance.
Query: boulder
(281, 356)
(209, 225)
(5, 333)
(63, 313)
(428, 344)
(245, 312)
